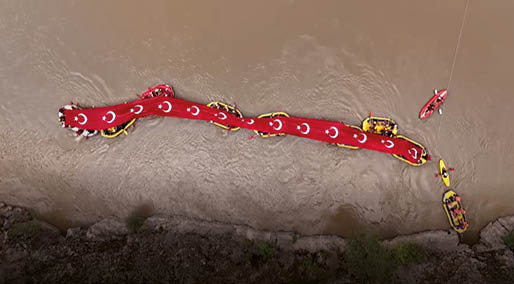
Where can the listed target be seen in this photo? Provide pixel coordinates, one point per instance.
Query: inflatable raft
(278, 121)
(350, 146)
(455, 212)
(436, 101)
(227, 108)
(117, 130)
(160, 100)
(380, 125)
(419, 153)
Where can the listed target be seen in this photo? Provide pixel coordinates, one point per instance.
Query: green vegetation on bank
(367, 260)
(407, 253)
(295, 238)
(137, 218)
(135, 221)
(267, 250)
(509, 240)
(30, 229)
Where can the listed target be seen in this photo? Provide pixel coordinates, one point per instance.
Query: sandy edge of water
(491, 235)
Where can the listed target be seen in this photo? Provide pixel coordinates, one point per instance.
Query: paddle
(450, 169)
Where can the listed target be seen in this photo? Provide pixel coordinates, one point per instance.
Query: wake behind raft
(111, 121)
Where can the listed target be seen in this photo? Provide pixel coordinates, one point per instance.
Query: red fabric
(322, 130)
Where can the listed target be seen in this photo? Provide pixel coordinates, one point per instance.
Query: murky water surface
(334, 60)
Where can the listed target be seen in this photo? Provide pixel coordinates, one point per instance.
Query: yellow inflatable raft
(380, 125)
(456, 214)
(115, 131)
(270, 115)
(424, 154)
(350, 146)
(227, 108)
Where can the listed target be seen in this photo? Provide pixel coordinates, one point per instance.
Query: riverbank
(184, 250)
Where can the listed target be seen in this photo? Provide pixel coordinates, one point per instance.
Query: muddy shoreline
(178, 249)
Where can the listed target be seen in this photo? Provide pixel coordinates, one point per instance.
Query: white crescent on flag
(140, 109)
(84, 118)
(307, 128)
(336, 132)
(279, 122)
(112, 114)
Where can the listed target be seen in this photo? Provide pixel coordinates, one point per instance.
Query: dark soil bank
(160, 250)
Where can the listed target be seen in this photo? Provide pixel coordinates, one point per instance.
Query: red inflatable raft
(432, 104)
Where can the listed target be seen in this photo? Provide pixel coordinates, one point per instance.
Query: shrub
(135, 221)
(311, 268)
(138, 216)
(368, 261)
(509, 240)
(29, 229)
(307, 272)
(408, 253)
(294, 239)
(267, 250)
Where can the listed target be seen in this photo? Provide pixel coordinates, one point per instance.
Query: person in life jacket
(388, 131)
(462, 224)
(456, 211)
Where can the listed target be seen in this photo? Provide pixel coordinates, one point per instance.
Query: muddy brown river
(335, 60)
